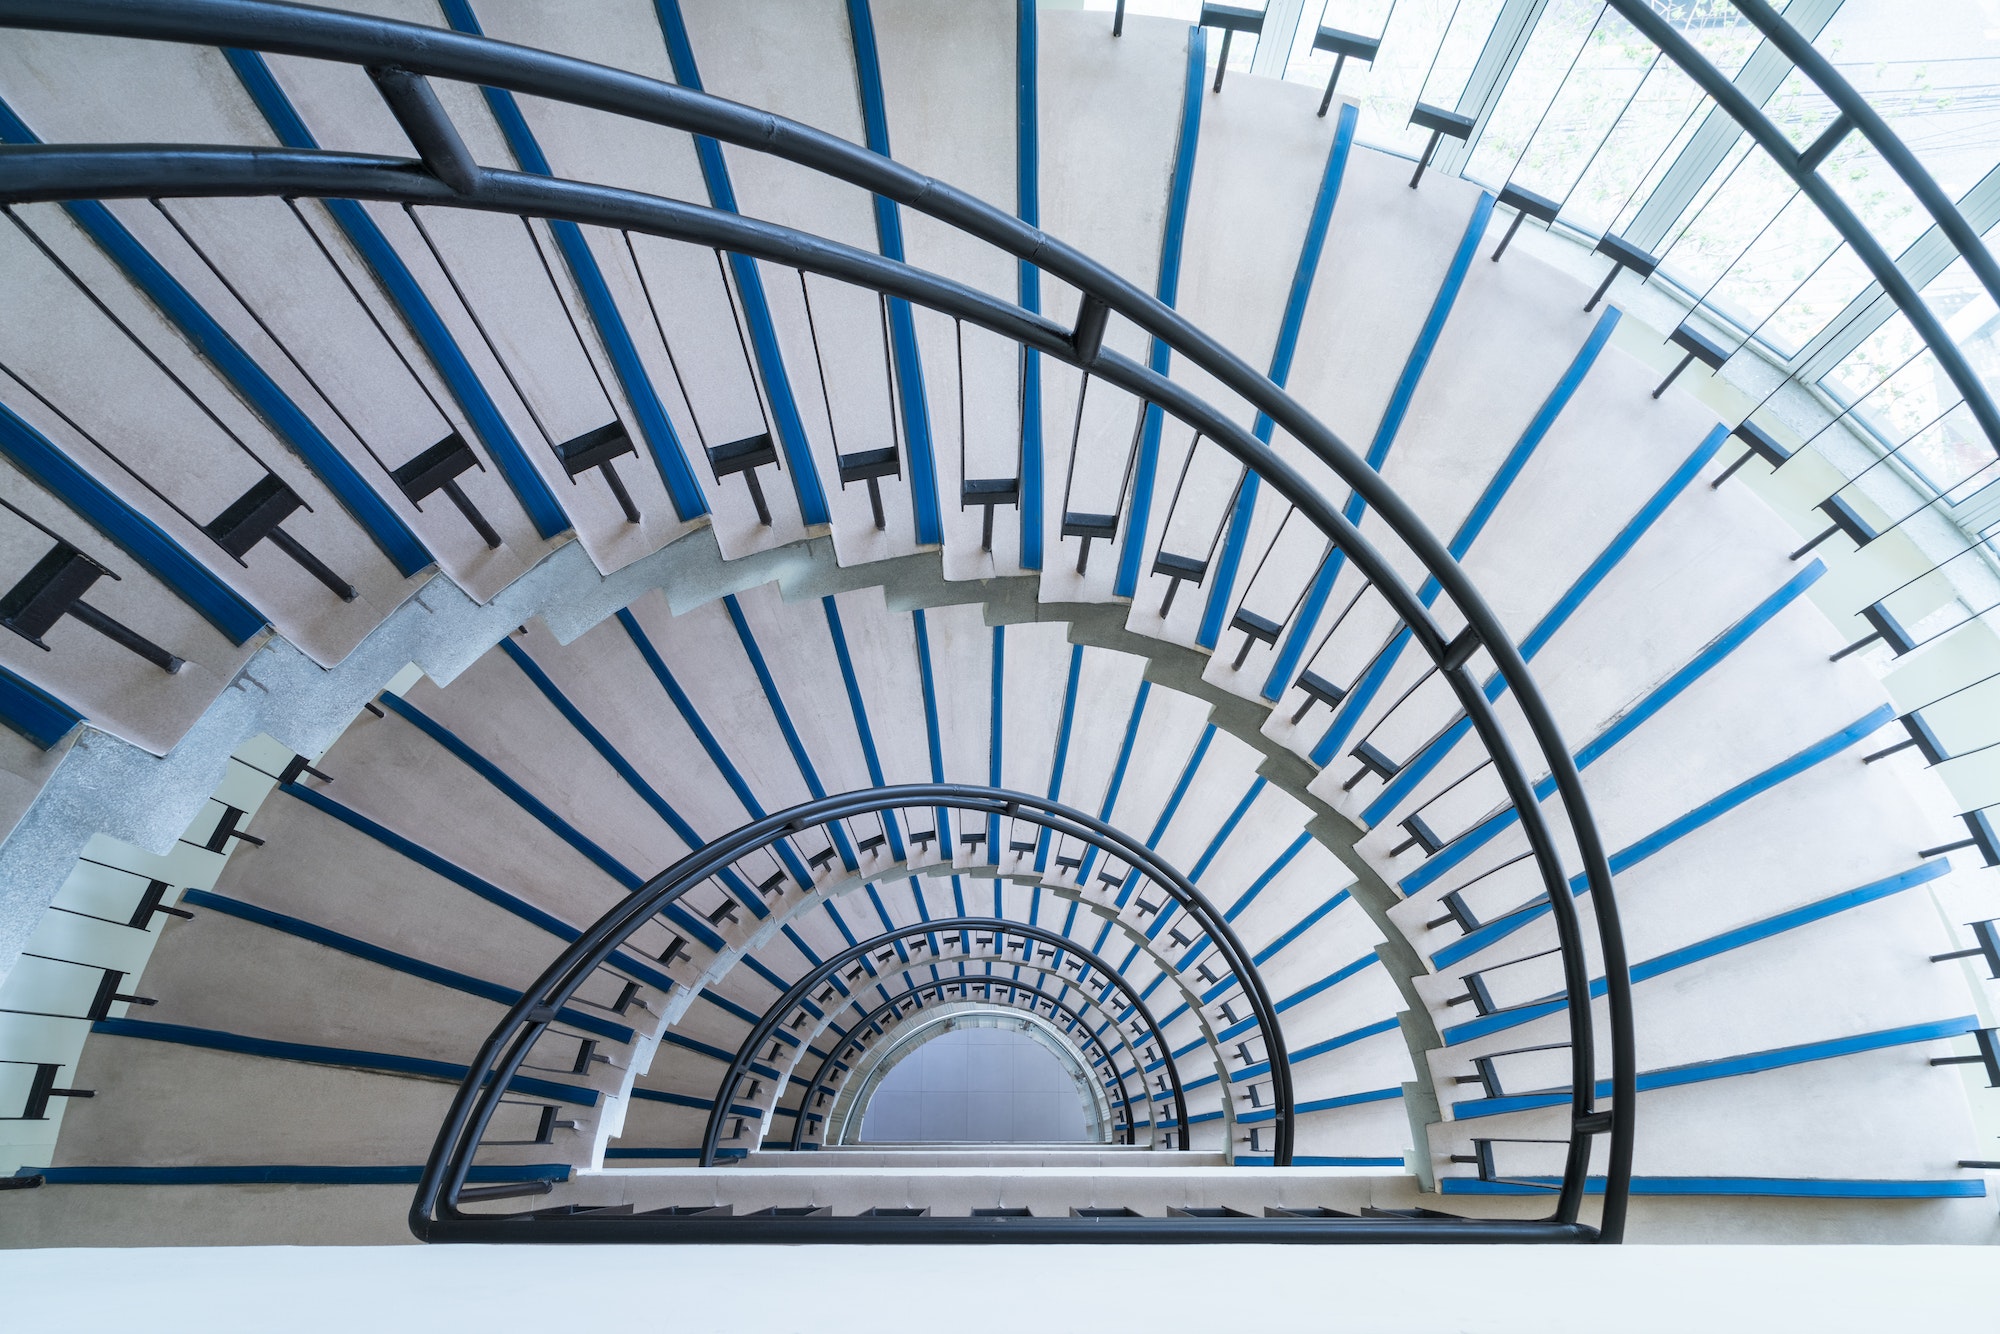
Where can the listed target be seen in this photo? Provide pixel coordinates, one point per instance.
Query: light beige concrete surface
(160, 1104)
(290, 990)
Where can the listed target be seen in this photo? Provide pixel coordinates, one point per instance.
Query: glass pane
(1871, 364)
(1951, 451)
(1899, 392)
(1717, 30)
(1715, 27)
(1800, 110)
(1713, 252)
(1557, 43)
(1458, 52)
(1929, 68)
(1661, 113)
(1970, 316)
(1387, 91)
(1666, 115)
(1697, 220)
(1587, 108)
(1877, 195)
(1821, 303)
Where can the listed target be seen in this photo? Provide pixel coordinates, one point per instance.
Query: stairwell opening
(977, 1077)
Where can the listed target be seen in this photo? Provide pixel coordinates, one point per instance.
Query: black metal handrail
(435, 1215)
(68, 173)
(1802, 168)
(220, 171)
(857, 1037)
(746, 1052)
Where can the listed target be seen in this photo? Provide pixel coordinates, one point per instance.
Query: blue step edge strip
(1028, 207)
(1293, 319)
(1303, 925)
(1303, 1054)
(1386, 431)
(228, 359)
(1117, 782)
(706, 738)
(412, 305)
(1316, 1160)
(33, 712)
(1558, 615)
(669, 456)
(996, 736)
(1243, 1026)
(934, 739)
(1713, 946)
(1323, 1105)
(506, 784)
(790, 430)
(1159, 357)
(1172, 808)
(902, 327)
(402, 963)
(688, 1100)
(1475, 521)
(628, 879)
(466, 880)
(1263, 881)
(136, 535)
(1711, 656)
(285, 1174)
(375, 1062)
(1065, 725)
(728, 1006)
(645, 791)
(1809, 1188)
(1674, 830)
(783, 717)
(1236, 814)
(1701, 1072)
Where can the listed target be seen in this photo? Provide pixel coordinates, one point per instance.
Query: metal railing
(1511, 32)
(449, 177)
(997, 931)
(1802, 166)
(486, 1082)
(438, 1212)
(1909, 434)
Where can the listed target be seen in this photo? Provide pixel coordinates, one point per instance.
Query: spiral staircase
(1151, 753)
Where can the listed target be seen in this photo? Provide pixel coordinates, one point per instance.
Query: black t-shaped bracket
(54, 588)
